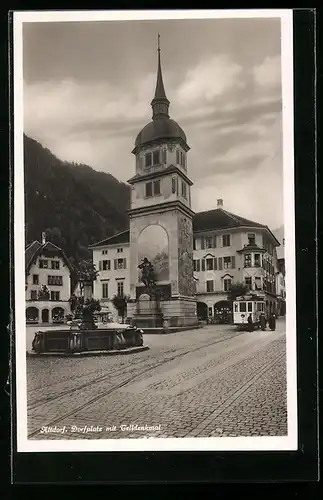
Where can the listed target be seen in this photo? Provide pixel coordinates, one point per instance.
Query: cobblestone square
(214, 381)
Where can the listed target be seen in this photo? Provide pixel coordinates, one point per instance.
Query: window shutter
(198, 265)
(202, 243)
(115, 264)
(124, 263)
(233, 261)
(215, 263)
(220, 263)
(203, 264)
(100, 265)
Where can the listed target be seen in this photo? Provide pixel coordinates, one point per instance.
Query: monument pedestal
(147, 313)
(180, 312)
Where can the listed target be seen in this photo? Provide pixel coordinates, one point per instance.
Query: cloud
(268, 73)
(210, 78)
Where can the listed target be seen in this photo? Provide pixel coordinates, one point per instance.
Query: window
(236, 307)
(119, 250)
(148, 159)
(250, 307)
(184, 190)
(251, 239)
(173, 184)
(209, 264)
(55, 280)
(248, 282)
(35, 279)
(149, 189)
(258, 283)
(43, 264)
(210, 311)
(226, 262)
(260, 306)
(157, 187)
(164, 156)
(104, 252)
(54, 295)
(226, 240)
(203, 264)
(194, 243)
(210, 286)
(243, 307)
(105, 292)
(106, 265)
(209, 242)
(202, 242)
(247, 260)
(33, 295)
(152, 188)
(197, 265)
(156, 157)
(257, 259)
(55, 264)
(120, 288)
(227, 284)
(120, 263)
(177, 158)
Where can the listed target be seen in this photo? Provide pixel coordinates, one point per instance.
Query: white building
(111, 259)
(48, 283)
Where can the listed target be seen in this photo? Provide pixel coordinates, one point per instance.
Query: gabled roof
(36, 248)
(123, 237)
(202, 221)
(221, 219)
(30, 251)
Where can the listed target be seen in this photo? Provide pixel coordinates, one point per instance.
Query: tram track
(117, 386)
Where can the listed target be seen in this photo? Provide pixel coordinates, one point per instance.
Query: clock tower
(161, 227)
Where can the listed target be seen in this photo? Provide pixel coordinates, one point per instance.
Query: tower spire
(160, 103)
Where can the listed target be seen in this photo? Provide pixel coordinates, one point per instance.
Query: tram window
(235, 308)
(243, 307)
(259, 306)
(249, 306)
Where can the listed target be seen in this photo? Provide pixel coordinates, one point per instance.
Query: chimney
(220, 203)
(43, 238)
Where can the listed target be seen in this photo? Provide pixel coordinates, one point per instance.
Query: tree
(236, 290)
(120, 303)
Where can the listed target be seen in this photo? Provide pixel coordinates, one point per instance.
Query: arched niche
(153, 244)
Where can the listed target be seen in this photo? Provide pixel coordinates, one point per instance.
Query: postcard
(154, 231)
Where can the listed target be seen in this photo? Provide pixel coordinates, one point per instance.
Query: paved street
(215, 381)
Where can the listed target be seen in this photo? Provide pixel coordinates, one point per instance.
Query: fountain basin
(111, 339)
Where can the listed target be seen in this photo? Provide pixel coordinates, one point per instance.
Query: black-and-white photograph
(154, 231)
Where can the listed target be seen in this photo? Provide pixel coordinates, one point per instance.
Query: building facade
(228, 249)
(47, 283)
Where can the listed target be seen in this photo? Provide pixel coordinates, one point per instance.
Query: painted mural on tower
(185, 257)
(153, 244)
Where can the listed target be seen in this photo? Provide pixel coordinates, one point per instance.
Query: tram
(248, 304)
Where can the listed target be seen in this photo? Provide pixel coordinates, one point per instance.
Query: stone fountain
(84, 337)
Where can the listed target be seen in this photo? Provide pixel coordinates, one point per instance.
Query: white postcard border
(273, 443)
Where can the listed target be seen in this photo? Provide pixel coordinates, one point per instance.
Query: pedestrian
(263, 321)
(250, 323)
(272, 322)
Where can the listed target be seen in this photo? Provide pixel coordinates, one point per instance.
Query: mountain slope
(73, 203)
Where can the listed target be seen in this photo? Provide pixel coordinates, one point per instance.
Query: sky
(88, 88)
